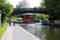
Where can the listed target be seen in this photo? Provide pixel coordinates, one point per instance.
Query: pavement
(8, 35)
(17, 33)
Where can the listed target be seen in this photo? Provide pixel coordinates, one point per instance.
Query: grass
(3, 28)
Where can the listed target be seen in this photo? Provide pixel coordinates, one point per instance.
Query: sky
(32, 3)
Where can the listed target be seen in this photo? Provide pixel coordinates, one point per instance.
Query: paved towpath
(17, 33)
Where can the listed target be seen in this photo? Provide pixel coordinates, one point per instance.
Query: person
(14, 23)
(9, 23)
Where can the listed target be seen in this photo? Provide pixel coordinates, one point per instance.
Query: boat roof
(28, 14)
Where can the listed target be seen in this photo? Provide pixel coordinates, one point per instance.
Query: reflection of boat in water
(45, 22)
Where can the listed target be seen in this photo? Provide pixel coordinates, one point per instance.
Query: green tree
(41, 16)
(2, 3)
(7, 10)
(42, 4)
(53, 6)
(22, 4)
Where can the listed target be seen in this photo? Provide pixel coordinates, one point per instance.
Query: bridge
(29, 10)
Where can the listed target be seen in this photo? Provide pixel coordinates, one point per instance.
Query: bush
(3, 28)
(19, 19)
(36, 19)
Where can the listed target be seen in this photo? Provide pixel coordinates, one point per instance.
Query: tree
(5, 10)
(8, 9)
(42, 5)
(2, 3)
(42, 16)
(22, 4)
(53, 6)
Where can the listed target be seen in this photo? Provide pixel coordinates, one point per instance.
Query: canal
(42, 31)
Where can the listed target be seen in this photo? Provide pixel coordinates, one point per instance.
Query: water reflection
(43, 32)
(57, 33)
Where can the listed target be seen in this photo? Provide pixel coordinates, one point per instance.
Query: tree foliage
(2, 2)
(22, 4)
(5, 9)
(41, 16)
(8, 9)
(42, 5)
(53, 6)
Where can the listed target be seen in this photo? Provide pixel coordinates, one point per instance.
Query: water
(43, 32)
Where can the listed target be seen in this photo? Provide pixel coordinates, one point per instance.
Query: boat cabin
(28, 17)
